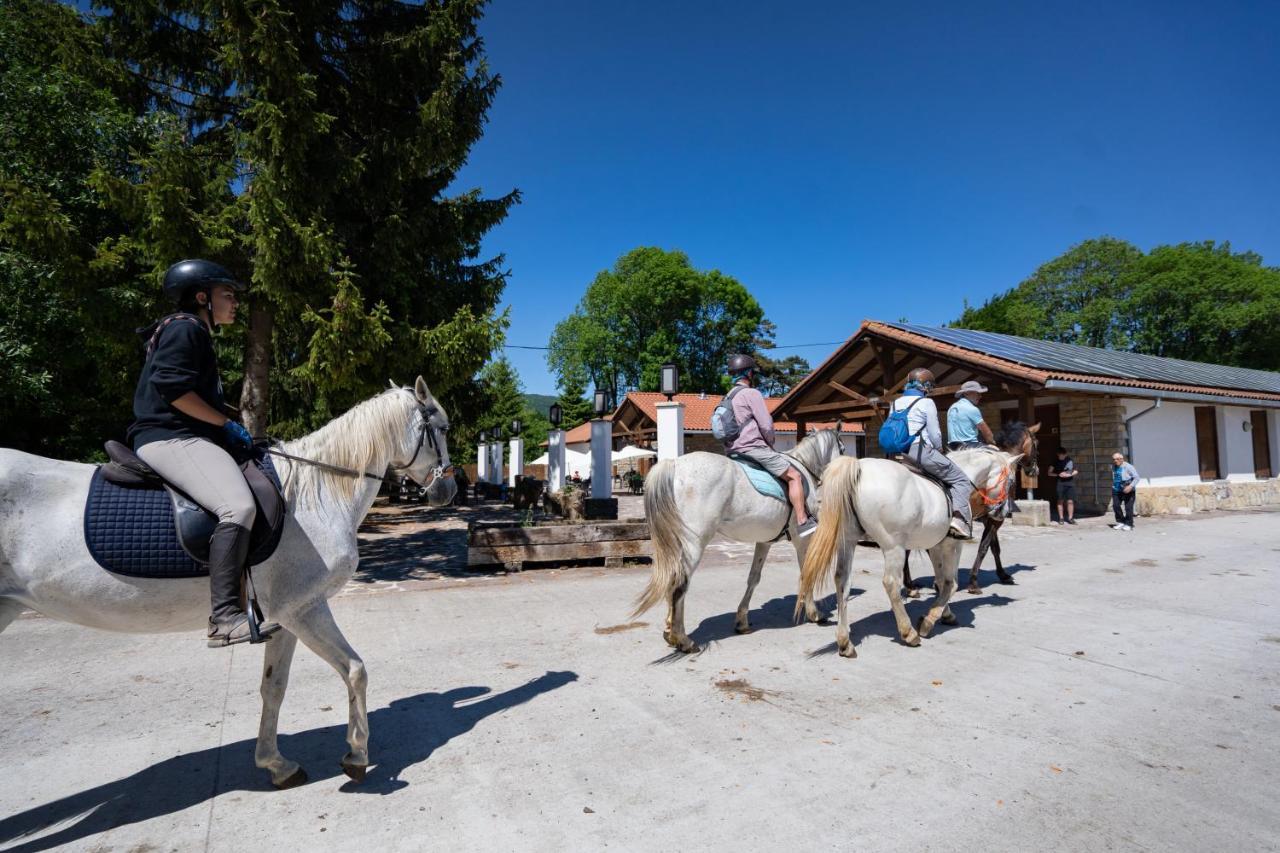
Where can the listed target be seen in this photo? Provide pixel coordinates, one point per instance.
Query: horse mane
(364, 438)
(812, 452)
(1010, 434)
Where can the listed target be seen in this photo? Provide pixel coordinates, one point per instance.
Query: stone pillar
(516, 461)
(555, 461)
(601, 458)
(495, 463)
(670, 430)
(482, 463)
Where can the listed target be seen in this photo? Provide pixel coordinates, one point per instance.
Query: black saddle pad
(136, 531)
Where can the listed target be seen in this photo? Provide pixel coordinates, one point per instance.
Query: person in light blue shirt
(965, 426)
(1124, 491)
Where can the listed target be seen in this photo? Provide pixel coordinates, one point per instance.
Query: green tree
(1074, 299)
(776, 377)
(653, 306)
(68, 301)
(310, 147)
(575, 408)
(1202, 302)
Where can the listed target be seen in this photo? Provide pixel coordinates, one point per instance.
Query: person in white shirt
(926, 450)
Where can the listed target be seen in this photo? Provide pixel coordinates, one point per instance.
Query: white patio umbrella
(574, 462)
(632, 452)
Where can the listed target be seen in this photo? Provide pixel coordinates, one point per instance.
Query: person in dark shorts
(1064, 469)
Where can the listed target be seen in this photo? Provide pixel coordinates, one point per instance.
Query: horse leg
(275, 680)
(676, 636)
(742, 624)
(811, 611)
(894, 558)
(317, 630)
(913, 591)
(988, 534)
(844, 560)
(946, 560)
(1001, 574)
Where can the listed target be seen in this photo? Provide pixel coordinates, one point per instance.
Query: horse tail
(839, 482)
(669, 534)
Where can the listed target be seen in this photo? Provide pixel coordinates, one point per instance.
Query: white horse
(45, 565)
(690, 499)
(887, 503)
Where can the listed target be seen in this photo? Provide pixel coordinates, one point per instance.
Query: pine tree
(575, 408)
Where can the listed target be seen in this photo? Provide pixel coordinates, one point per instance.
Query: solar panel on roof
(1070, 358)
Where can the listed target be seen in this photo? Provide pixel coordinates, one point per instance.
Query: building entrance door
(1049, 438)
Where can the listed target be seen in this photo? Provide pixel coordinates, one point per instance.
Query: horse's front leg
(742, 624)
(1001, 574)
(912, 588)
(276, 661)
(946, 562)
(317, 630)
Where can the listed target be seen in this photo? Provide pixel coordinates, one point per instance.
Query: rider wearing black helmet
(182, 432)
(755, 439)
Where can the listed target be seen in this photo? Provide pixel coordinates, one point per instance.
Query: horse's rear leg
(275, 680)
(844, 562)
(676, 635)
(946, 561)
(894, 558)
(742, 624)
(317, 630)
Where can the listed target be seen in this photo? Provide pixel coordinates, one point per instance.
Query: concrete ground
(1123, 695)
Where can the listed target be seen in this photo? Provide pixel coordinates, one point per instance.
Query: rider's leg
(959, 487)
(795, 491)
(211, 478)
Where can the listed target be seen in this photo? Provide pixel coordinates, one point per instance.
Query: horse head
(425, 446)
(1016, 438)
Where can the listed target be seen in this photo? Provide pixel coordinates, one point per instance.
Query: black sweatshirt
(180, 359)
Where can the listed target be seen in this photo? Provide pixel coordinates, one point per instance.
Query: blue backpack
(895, 435)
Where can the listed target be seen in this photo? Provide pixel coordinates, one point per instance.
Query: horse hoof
(948, 619)
(820, 618)
(355, 772)
(848, 651)
(298, 777)
(912, 639)
(913, 592)
(690, 648)
(1007, 581)
(924, 627)
(974, 590)
(742, 629)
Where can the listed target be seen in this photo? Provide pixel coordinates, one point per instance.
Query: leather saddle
(138, 524)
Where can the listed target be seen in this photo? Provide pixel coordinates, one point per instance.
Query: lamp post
(482, 458)
(516, 455)
(602, 446)
(670, 416)
(495, 457)
(555, 450)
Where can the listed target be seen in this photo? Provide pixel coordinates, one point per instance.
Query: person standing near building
(1065, 471)
(965, 426)
(1124, 491)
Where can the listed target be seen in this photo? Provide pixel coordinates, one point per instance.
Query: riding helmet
(195, 273)
(740, 363)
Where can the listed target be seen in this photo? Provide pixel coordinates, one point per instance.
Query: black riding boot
(228, 552)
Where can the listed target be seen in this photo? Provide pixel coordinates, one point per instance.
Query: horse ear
(420, 389)
(1034, 428)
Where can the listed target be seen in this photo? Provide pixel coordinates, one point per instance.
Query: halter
(426, 435)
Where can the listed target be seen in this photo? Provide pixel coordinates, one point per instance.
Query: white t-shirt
(923, 414)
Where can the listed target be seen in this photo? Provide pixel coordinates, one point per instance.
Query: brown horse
(1013, 437)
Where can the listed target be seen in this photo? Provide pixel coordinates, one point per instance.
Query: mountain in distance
(540, 403)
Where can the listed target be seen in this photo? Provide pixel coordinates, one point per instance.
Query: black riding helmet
(196, 274)
(740, 363)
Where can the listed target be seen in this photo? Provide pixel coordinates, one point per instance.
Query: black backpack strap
(164, 323)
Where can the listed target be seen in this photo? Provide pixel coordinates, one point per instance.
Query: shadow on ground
(403, 734)
(882, 623)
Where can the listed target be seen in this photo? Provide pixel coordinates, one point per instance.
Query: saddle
(775, 487)
(138, 525)
(978, 506)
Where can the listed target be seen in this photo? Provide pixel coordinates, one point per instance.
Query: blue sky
(853, 160)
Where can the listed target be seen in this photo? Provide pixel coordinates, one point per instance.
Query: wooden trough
(513, 544)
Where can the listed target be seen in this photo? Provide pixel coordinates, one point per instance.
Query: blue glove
(237, 435)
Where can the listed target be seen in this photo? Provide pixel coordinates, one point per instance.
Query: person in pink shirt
(755, 438)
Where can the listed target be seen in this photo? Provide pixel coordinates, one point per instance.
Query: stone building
(1202, 436)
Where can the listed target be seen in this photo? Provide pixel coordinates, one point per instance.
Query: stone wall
(1092, 448)
(702, 441)
(1203, 497)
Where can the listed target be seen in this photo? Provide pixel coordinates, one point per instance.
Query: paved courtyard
(1123, 695)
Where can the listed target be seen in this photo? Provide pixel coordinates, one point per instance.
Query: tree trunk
(255, 397)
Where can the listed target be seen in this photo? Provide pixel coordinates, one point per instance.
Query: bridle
(430, 434)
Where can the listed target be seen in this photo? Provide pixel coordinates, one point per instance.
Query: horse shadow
(772, 615)
(882, 623)
(403, 734)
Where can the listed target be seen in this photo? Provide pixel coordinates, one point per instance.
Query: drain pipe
(1128, 429)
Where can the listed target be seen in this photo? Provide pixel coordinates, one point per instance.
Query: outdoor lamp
(484, 437)
(670, 380)
(555, 415)
(601, 404)
(515, 428)
(497, 433)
